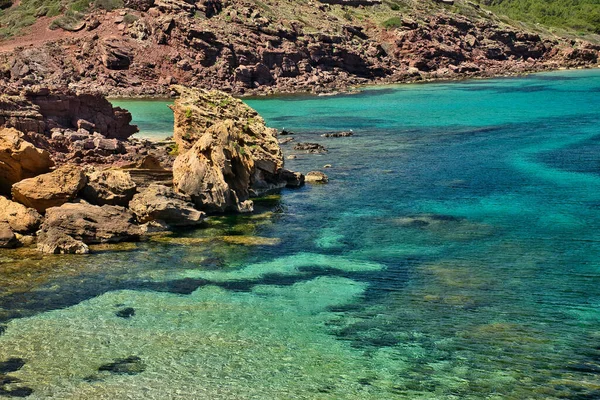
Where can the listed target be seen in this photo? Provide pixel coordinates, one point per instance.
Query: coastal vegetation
(578, 15)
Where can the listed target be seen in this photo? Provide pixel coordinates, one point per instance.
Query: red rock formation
(243, 51)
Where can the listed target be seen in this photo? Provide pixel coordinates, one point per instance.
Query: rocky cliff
(44, 110)
(269, 46)
(227, 152)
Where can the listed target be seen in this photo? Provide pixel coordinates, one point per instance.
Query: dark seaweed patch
(127, 312)
(131, 365)
(8, 389)
(23, 391)
(11, 365)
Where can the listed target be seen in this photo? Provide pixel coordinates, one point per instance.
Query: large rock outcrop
(112, 187)
(20, 218)
(42, 109)
(158, 202)
(91, 224)
(231, 154)
(19, 159)
(50, 190)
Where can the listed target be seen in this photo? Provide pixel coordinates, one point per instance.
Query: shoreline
(355, 89)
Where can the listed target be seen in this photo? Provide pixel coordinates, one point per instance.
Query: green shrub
(173, 150)
(130, 18)
(68, 21)
(54, 10)
(80, 5)
(570, 14)
(109, 5)
(394, 22)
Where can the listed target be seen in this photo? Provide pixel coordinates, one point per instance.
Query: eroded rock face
(91, 224)
(115, 53)
(215, 173)
(8, 240)
(112, 187)
(41, 109)
(19, 159)
(19, 218)
(50, 190)
(158, 202)
(232, 154)
(55, 241)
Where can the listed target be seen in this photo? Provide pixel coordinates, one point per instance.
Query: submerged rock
(92, 224)
(20, 218)
(8, 388)
(11, 365)
(50, 190)
(127, 312)
(132, 365)
(338, 134)
(158, 202)
(112, 187)
(313, 148)
(19, 159)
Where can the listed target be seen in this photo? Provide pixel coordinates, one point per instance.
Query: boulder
(7, 237)
(19, 159)
(50, 190)
(231, 155)
(112, 187)
(316, 177)
(292, 179)
(20, 218)
(92, 224)
(158, 202)
(56, 242)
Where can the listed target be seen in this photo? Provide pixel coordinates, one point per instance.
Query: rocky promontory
(230, 155)
(64, 189)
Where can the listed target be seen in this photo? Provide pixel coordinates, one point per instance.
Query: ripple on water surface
(453, 255)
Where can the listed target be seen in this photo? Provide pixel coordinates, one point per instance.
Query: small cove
(453, 255)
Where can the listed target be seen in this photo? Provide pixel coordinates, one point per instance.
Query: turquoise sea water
(153, 117)
(455, 254)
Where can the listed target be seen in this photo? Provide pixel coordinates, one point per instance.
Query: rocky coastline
(141, 50)
(71, 175)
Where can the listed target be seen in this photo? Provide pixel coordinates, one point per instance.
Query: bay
(455, 254)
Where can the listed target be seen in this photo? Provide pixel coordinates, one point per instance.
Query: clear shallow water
(455, 254)
(153, 117)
